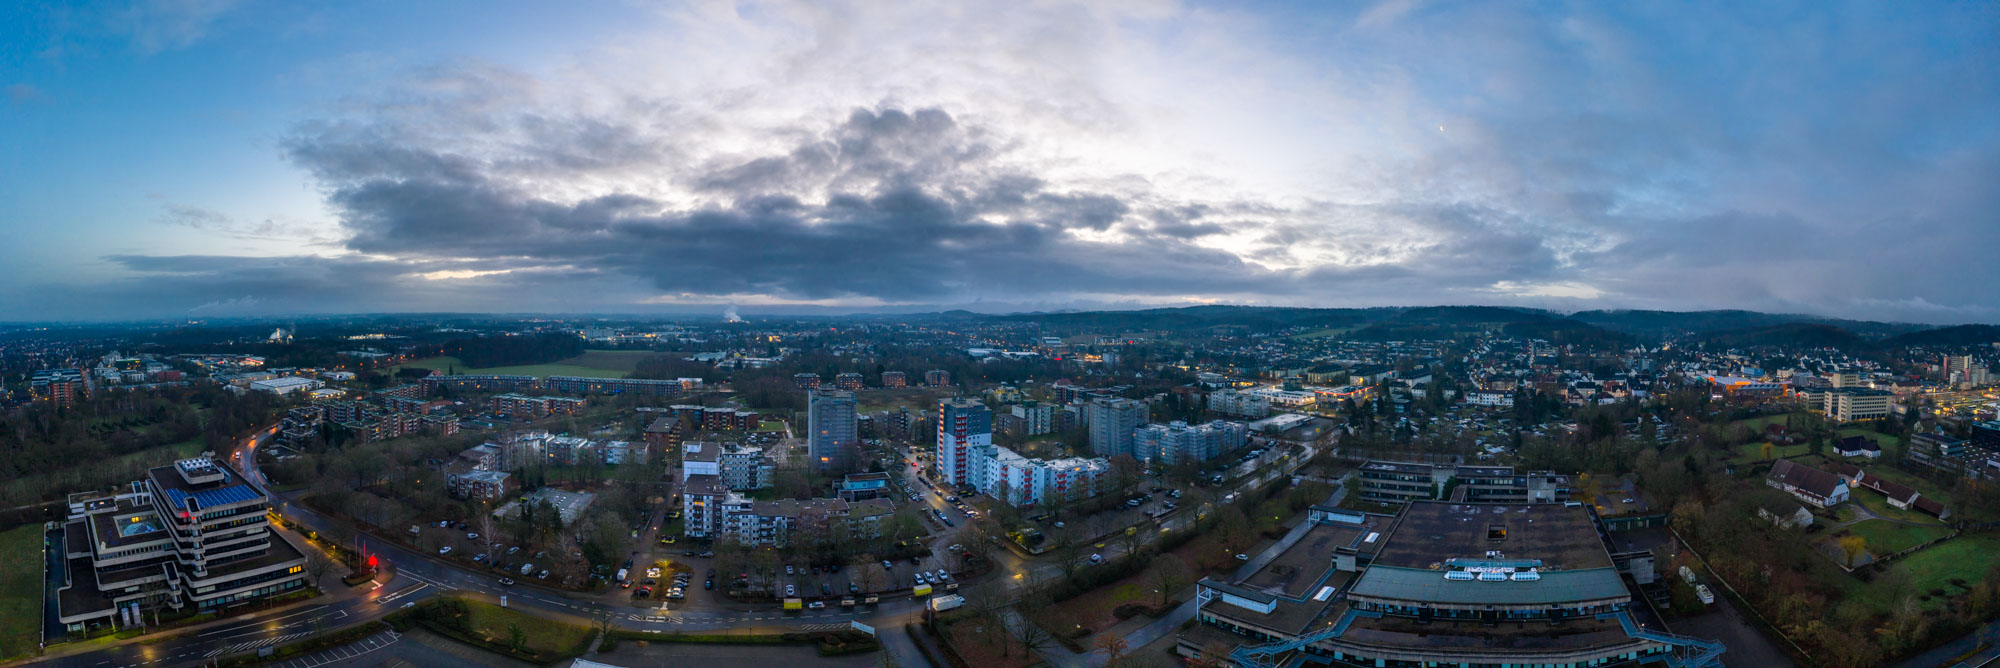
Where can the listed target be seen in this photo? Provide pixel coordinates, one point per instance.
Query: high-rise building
(895, 379)
(1036, 418)
(190, 536)
(937, 378)
(832, 439)
(1111, 424)
(964, 430)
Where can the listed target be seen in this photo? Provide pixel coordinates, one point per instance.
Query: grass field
(20, 590)
(546, 636)
(771, 425)
(1758, 424)
(1964, 558)
(1885, 441)
(1886, 538)
(1754, 452)
(1881, 507)
(591, 364)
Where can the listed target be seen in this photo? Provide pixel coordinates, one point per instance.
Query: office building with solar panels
(1441, 584)
(190, 537)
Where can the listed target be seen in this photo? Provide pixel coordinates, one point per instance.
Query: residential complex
(1025, 483)
(1179, 442)
(1239, 404)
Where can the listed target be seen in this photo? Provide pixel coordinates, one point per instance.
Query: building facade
(193, 535)
(833, 440)
(1112, 421)
(964, 432)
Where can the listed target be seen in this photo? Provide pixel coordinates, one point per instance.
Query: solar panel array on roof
(210, 498)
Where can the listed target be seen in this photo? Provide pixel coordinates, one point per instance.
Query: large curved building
(1442, 584)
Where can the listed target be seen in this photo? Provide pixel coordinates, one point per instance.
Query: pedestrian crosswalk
(256, 644)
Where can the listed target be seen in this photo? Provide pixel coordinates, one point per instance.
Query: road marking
(273, 619)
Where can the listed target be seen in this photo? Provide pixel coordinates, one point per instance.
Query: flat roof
(1431, 532)
(1295, 571)
(1430, 586)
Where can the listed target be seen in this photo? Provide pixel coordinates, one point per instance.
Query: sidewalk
(1171, 622)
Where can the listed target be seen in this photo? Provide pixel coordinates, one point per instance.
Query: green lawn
(771, 425)
(1757, 424)
(1886, 538)
(1964, 558)
(1906, 479)
(1750, 453)
(1880, 505)
(545, 636)
(20, 590)
(1884, 440)
(570, 367)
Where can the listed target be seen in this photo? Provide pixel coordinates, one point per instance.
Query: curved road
(413, 577)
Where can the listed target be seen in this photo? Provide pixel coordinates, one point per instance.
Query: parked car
(444, 550)
(507, 581)
(1096, 558)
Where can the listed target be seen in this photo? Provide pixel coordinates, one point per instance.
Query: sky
(228, 158)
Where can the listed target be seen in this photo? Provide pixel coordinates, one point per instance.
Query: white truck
(527, 569)
(1687, 574)
(622, 572)
(1702, 592)
(943, 603)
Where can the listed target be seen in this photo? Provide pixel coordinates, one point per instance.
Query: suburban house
(1785, 515)
(1898, 495)
(1858, 446)
(1808, 484)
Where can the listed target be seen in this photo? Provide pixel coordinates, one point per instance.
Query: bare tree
(1169, 575)
(866, 570)
(1029, 635)
(317, 565)
(601, 619)
(1070, 553)
(1135, 538)
(1113, 646)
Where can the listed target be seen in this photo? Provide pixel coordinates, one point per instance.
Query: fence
(1742, 602)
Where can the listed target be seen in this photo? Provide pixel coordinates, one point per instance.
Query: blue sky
(170, 158)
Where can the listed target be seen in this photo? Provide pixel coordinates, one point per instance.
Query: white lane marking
(273, 619)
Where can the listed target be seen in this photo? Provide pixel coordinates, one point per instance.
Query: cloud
(154, 26)
(1141, 153)
(21, 93)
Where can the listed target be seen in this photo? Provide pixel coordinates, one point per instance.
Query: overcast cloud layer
(1825, 158)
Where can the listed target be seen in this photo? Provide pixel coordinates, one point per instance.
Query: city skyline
(245, 159)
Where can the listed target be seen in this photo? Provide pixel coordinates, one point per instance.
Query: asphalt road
(411, 577)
